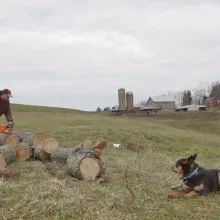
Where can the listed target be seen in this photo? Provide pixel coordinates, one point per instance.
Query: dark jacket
(6, 110)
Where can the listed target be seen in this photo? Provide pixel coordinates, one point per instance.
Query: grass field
(45, 191)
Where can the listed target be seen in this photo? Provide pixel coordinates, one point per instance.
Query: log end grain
(90, 168)
(13, 141)
(50, 144)
(23, 152)
(39, 138)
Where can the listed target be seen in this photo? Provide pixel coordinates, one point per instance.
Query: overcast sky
(77, 53)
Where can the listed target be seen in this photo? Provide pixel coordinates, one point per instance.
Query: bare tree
(142, 103)
(202, 89)
(178, 97)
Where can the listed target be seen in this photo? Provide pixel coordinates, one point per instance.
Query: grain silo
(121, 99)
(130, 100)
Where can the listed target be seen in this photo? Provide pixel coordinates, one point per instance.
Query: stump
(24, 151)
(50, 144)
(85, 165)
(13, 140)
(61, 154)
(3, 138)
(7, 155)
(40, 154)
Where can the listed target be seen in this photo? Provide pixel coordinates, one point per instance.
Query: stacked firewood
(82, 162)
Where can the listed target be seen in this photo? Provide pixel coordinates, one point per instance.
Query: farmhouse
(212, 101)
(162, 102)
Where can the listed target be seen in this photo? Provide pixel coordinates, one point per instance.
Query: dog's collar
(185, 179)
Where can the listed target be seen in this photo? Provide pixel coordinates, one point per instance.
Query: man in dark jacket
(5, 109)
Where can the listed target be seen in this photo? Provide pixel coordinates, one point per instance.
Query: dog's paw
(175, 195)
(171, 195)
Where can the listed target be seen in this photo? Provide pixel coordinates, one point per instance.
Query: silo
(130, 100)
(121, 99)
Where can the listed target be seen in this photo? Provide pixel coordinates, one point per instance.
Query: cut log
(40, 154)
(13, 140)
(84, 167)
(3, 138)
(31, 138)
(24, 151)
(50, 144)
(9, 155)
(61, 154)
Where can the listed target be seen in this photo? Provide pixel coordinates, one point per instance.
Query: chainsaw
(5, 129)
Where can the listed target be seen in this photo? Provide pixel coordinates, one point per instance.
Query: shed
(191, 108)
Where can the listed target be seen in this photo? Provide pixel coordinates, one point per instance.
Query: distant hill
(32, 108)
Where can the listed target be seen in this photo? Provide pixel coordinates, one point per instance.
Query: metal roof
(187, 106)
(163, 98)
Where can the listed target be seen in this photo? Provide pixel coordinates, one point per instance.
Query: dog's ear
(191, 159)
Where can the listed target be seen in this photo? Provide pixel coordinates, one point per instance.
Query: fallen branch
(126, 181)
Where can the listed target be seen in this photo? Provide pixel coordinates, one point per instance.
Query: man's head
(5, 94)
(185, 166)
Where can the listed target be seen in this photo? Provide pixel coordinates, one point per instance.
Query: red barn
(137, 108)
(212, 101)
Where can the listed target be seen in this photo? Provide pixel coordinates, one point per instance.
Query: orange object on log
(5, 130)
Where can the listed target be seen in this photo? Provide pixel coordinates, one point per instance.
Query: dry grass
(45, 191)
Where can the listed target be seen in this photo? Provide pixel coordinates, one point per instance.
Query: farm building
(212, 101)
(162, 102)
(150, 109)
(191, 108)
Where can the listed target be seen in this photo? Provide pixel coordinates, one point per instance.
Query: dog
(197, 181)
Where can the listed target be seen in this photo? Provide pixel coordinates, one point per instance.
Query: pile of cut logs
(82, 162)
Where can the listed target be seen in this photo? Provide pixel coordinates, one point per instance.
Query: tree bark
(3, 138)
(40, 154)
(61, 154)
(9, 155)
(24, 151)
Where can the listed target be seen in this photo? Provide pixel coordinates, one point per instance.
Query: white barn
(162, 102)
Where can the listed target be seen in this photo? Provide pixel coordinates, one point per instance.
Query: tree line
(198, 95)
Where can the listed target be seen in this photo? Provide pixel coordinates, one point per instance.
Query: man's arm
(8, 114)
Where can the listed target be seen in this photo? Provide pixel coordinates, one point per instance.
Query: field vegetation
(140, 176)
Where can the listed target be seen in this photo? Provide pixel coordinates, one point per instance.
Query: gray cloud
(77, 53)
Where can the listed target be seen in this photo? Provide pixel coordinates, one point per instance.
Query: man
(5, 109)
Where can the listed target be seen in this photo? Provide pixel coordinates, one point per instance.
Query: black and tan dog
(197, 181)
